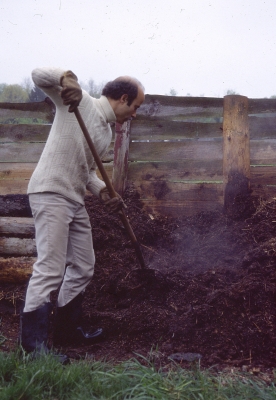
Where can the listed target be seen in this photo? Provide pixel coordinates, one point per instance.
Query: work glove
(113, 204)
(71, 92)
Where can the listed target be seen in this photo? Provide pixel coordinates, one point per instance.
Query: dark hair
(120, 86)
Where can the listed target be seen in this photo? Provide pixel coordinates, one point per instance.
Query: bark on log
(15, 205)
(16, 270)
(15, 247)
(17, 227)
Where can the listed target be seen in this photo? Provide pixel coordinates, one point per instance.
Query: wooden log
(17, 227)
(16, 269)
(15, 205)
(236, 150)
(15, 247)
(121, 150)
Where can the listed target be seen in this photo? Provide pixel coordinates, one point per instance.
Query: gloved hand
(71, 91)
(113, 204)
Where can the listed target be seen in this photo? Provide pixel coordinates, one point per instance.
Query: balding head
(123, 85)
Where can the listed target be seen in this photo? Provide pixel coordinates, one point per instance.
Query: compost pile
(208, 290)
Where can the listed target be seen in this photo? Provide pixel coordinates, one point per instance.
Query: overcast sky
(200, 47)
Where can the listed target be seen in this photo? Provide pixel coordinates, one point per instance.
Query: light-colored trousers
(63, 238)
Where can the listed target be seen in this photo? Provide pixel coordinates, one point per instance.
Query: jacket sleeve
(48, 80)
(95, 184)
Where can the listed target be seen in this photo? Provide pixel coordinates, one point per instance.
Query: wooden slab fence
(175, 154)
(175, 161)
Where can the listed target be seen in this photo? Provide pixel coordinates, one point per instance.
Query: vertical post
(236, 151)
(121, 151)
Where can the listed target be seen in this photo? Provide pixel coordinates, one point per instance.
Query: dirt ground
(208, 291)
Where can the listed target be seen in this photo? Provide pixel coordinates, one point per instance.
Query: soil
(208, 291)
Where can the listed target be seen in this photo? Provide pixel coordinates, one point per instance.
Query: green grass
(22, 378)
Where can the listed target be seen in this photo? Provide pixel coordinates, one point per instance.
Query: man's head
(125, 95)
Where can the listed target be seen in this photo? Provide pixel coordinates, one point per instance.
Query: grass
(23, 378)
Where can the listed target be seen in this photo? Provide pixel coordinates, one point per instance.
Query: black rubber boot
(68, 329)
(34, 326)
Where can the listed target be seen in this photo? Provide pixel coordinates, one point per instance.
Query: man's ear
(124, 98)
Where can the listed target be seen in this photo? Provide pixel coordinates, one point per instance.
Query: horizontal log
(10, 133)
(16, 247)
(17, 227)
(16, 269)
(15, 205)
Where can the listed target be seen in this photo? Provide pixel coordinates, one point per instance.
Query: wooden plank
(148, 151)
(262, 150)
(44, 110)
(153, 101)
(15, 247)
(180, 191)
(181, 107)
(16, 269)
(14, 177)
(21, 152)
(159, 129)
(17, 227)
(178, 209)
(261, 105)
(205, 170)
(26, 152)
(194, 170)
(262, 127)
(24, 132)
(166, 151)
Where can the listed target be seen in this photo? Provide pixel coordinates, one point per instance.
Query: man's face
(125, 112)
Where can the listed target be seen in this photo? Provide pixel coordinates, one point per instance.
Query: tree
(27, 85)
(94, 89)
(2, 87)
(173, 92)
(14, 94)
(36, 94)
(230, 91)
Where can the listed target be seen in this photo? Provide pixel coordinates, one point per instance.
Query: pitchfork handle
(110, 188)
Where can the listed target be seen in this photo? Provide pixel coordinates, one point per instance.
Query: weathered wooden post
(121, 150)
(236, 153)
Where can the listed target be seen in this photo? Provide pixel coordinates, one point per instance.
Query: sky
(196, 47)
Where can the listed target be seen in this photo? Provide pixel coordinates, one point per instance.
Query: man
(65, 171)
